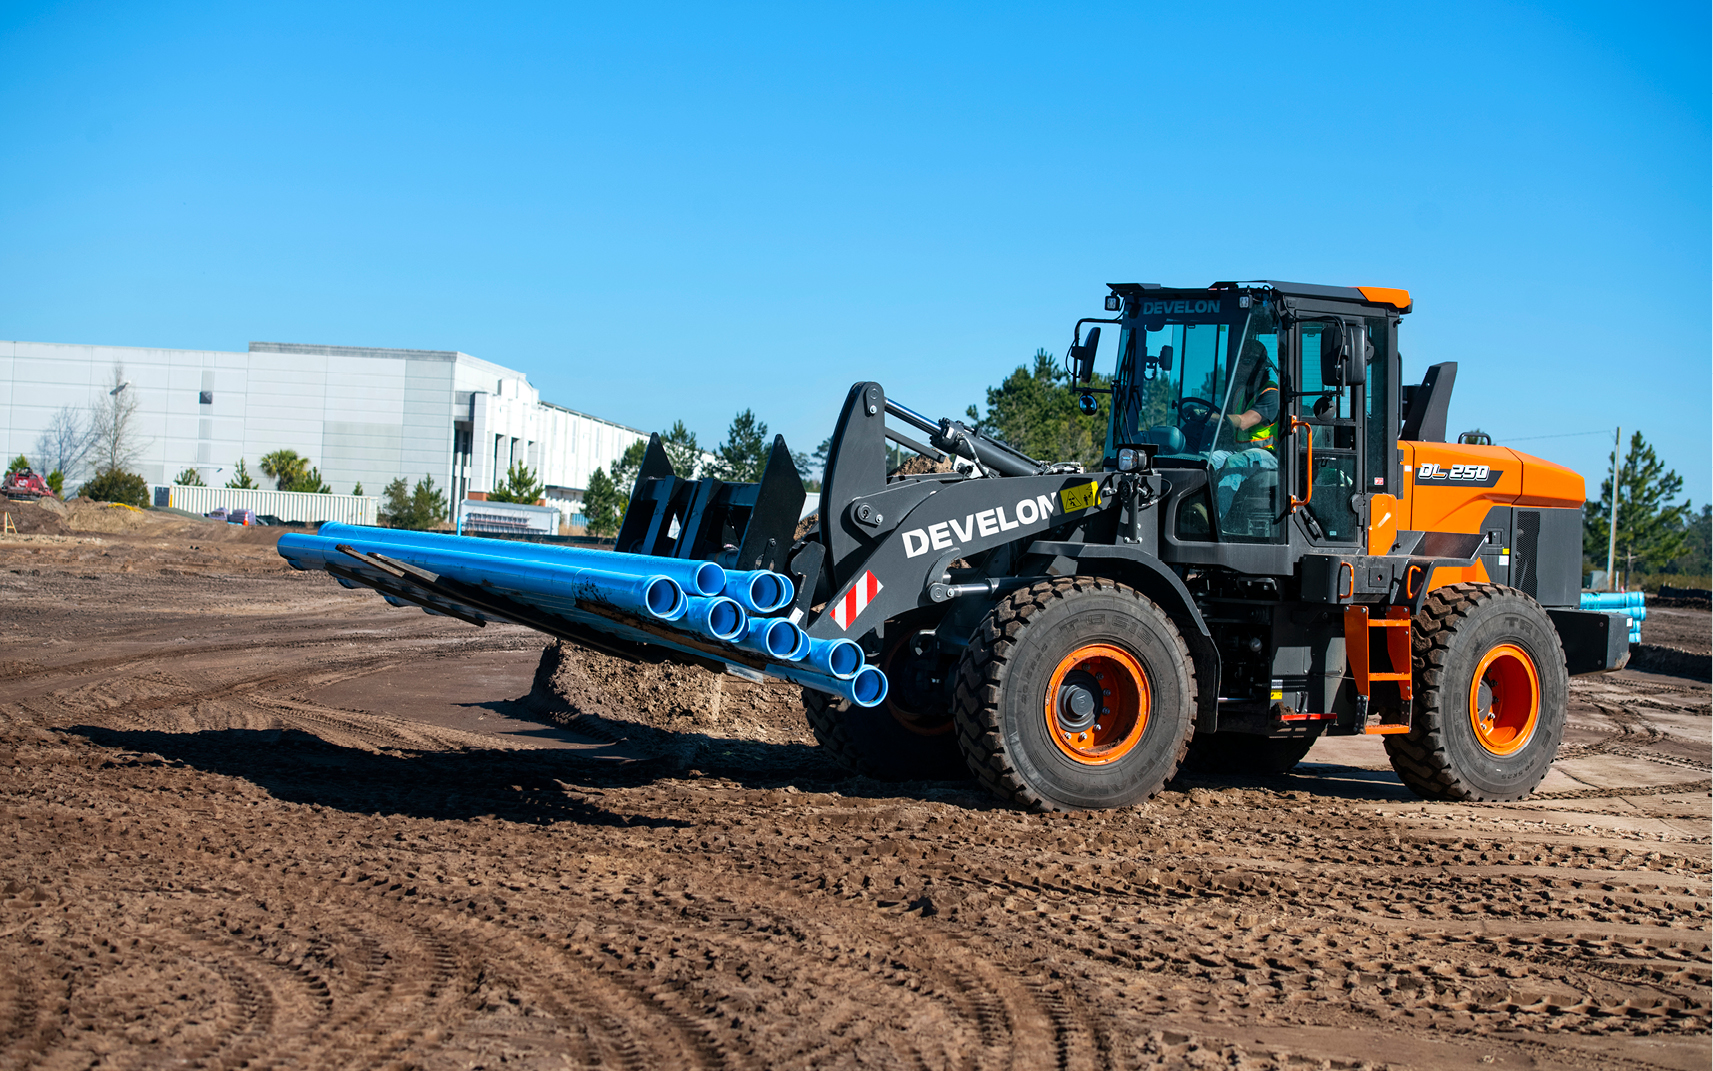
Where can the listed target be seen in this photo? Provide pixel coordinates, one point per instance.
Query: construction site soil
(251, 819)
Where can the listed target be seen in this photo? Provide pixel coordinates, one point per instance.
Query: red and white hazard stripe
(856, 600)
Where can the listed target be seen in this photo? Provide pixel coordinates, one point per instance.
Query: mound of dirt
(112, 518)
(660, 704)
(1653, 658)
(44, 516)
(1686, 630)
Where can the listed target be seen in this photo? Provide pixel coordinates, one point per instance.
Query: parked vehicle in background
(25, 485)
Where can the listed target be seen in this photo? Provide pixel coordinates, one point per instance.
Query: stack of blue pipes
(1632, 603)
(692, 607)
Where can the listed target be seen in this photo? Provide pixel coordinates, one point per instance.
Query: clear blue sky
(663, 211)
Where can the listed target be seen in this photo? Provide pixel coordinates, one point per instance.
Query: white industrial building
(361, 415)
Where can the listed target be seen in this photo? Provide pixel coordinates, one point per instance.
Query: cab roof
(1371, 295)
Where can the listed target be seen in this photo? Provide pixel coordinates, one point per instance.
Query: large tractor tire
(1491, 691)
(871, 742)
(1247, 753)
(1075, 693)
(908, 737)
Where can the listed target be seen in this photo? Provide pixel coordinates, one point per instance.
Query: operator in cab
(1254, 417)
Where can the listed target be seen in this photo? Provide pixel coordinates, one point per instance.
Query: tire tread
(1422, 757)
(984, 669)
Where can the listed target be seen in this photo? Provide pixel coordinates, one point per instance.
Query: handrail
(1309, 475)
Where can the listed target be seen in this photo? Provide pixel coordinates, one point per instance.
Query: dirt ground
(251, 819)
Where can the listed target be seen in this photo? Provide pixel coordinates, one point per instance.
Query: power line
(1558, 435)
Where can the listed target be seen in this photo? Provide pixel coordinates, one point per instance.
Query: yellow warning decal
(1082, 496)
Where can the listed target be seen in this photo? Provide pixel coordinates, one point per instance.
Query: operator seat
(1252, 509)
(1169, 439)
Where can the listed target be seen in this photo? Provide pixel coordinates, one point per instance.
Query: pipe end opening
(844, 659)
(869, 687)
(726, 619)
(662, 597)
(709, 579)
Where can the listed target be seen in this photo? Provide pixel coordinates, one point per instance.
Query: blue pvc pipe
(774, 637)
(867, 688)
(836, 658)
(717, 618)
(1634, 603)
(758, 590)
(652, 596)
(695, 577)
(801, 651)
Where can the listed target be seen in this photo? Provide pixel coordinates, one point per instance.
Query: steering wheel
(1197, 410)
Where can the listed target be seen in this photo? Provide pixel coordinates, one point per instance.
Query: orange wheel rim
(1097, 704)
(1505, 699)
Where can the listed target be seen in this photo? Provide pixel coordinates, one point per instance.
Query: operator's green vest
(1260, 435)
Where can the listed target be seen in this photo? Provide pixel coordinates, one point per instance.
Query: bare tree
(113, 425)
(64, 446)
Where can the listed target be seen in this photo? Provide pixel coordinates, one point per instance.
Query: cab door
(1327, 468)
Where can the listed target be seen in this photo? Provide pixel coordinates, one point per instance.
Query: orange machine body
(1449, 487)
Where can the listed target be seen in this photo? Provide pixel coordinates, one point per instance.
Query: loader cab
(1270, 407)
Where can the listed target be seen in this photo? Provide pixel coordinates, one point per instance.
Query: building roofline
(310, 349)
(591, 416)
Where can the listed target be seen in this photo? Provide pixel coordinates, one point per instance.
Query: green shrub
(117, 485)
(419, 508)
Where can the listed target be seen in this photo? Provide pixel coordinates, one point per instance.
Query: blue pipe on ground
(1633, 604)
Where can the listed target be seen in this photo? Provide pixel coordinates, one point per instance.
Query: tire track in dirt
(352, 892)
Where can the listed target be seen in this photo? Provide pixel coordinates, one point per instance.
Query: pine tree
(682, 450)
(1034, 410)
(241, 480)
(520, 485)
(189, 478)
(624, 470)
(743, 454)
(428, 504)
(1652, 532)
(395, 504)
(602, 505)
(418, 508)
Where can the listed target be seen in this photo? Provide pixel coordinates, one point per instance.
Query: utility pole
(1612, 535)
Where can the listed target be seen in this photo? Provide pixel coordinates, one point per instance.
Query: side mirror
(1165, 358)
(1356, 361)
(1332, 354)
(1087, 405)
(1340, 365)
(1083, 356)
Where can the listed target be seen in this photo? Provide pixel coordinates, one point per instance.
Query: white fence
(500, 518)
(286, 505)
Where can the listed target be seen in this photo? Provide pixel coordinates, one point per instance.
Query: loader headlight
(1130, 459)
(1112, 303)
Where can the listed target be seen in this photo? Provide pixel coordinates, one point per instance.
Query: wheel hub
(1504, 699)
(1097, 704)
(1079, 701)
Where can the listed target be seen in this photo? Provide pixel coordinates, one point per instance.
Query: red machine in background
(24, 485)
